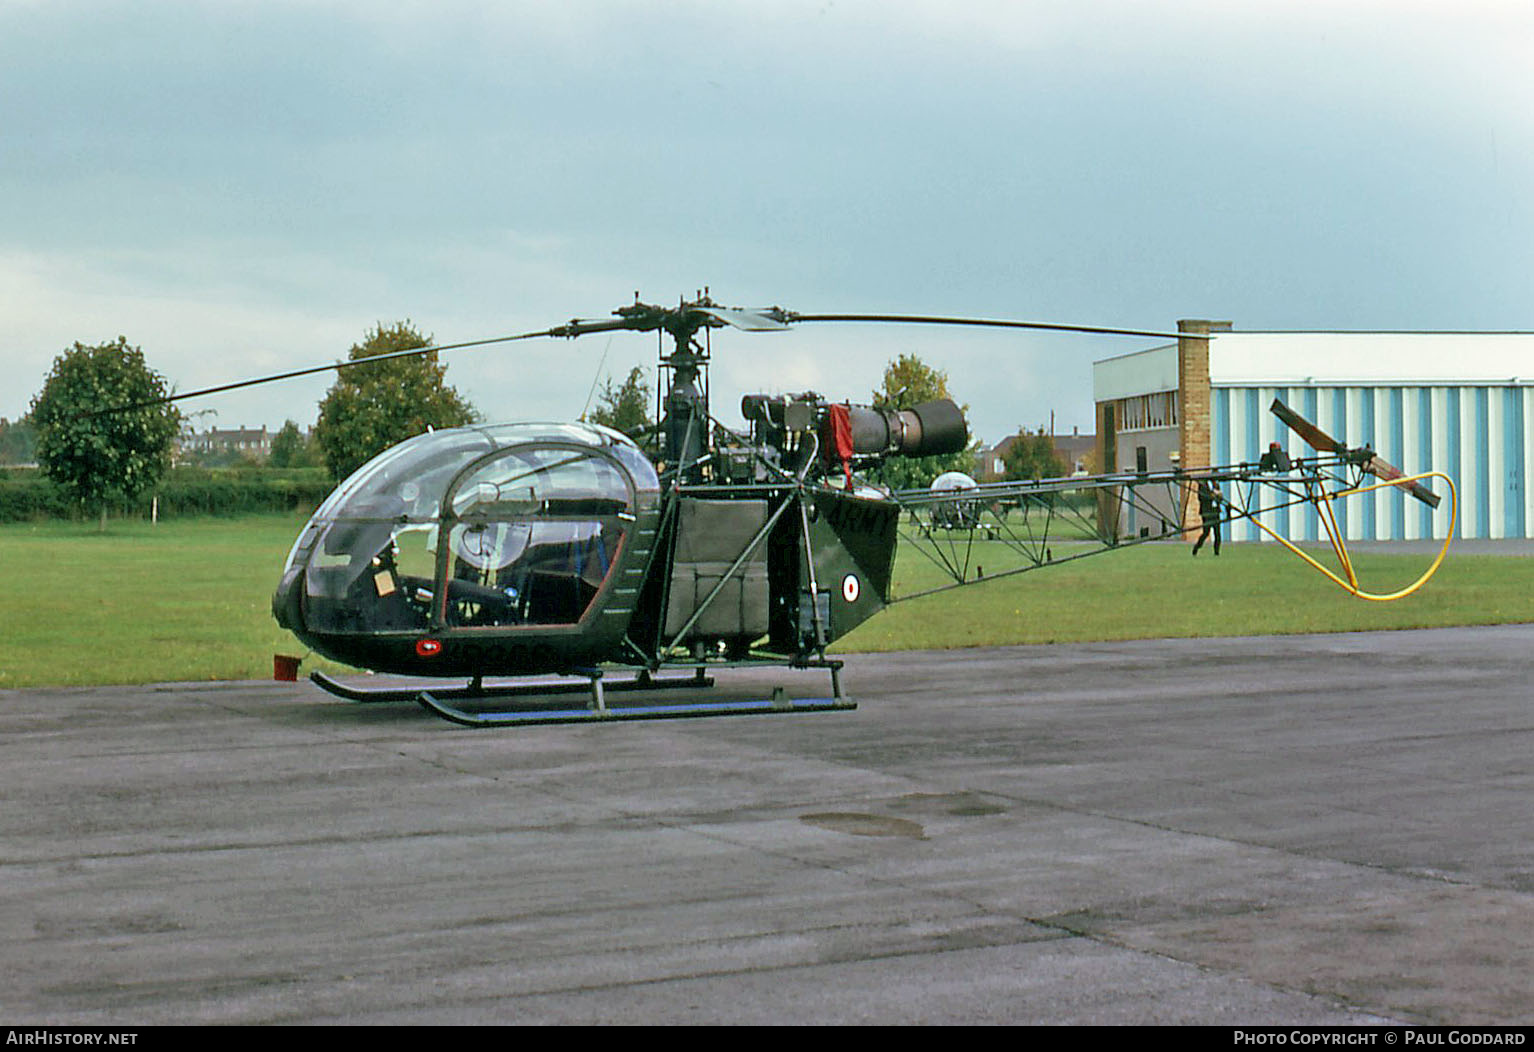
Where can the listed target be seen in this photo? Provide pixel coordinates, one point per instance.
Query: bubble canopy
(494, 527)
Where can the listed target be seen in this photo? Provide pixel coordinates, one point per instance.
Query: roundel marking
(851, 588)
(428, 647)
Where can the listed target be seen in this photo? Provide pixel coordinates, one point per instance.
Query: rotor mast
(685, 421)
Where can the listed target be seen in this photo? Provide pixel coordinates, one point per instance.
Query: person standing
(1209, 514)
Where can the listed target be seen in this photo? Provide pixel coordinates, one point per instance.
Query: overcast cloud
(246, 187)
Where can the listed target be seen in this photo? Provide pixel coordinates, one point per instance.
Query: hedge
(26, 495)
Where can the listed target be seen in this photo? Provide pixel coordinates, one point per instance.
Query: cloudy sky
(245, 187)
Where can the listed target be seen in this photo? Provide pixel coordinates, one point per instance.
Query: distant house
(245, 441)
(1074, 450)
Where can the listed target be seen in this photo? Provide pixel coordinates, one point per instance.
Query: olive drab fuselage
(528, 548)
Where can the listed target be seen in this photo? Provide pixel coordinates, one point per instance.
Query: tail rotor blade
(1314, 437)
(1385, 471)
(1371, 462)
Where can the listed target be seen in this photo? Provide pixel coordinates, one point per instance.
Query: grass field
(1157, 591)
(189, 600)
(186, 599)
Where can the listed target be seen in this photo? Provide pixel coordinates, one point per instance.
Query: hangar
(1455, 402)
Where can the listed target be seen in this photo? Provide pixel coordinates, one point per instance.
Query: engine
(793, 428)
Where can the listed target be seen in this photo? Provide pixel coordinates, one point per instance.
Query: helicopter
(530, 549)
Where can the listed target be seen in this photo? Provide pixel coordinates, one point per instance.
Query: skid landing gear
(476, 687)
(440, 700)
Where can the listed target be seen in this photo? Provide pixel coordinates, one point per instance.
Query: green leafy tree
(909, 381)
(96, 457)
(372, 407)
(1032, 456)
(290, 448)
(624, 407)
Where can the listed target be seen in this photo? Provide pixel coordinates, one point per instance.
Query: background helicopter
(520, 549)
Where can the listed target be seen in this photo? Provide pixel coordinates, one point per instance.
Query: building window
(1146, 412)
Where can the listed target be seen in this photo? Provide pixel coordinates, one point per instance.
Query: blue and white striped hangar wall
(1459, 403)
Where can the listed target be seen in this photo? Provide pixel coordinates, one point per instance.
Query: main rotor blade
(762, 319)
(583, 327)
(413, 352)
(645, 317)
(993, 323)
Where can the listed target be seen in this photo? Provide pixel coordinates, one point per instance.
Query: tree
(909, 381)
(372, 407)
(290, 449)
(624, 408)
(1032, 456)
(96, 456)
